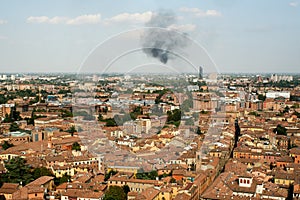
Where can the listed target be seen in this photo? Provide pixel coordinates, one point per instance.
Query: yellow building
(135, 185)
(285, 179)
(126, 169)
(59, 171)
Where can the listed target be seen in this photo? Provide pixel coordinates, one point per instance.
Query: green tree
(14, 127)
(100, 117)
(147, 175)
(72, 130)
(173, 180)
(174, 117)
(41, 171)
(297, 114)
(280, 130)
(161, 93)
(261, 97)
(76, 146)
(15, 115)
(286, 109)
(253, 113)
(17, 171)
(109, 174)
(115, 193)
(66, 113)
(65, 178)
(198, 132)
(32, 118)
(33, 101)
(6, 145)
(137, 111)
(153, 174)
(7, 119)
(204, 112)
(126, 189)
(3, 99)
(64, 92)
(111, 122)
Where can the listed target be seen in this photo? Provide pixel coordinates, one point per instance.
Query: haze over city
(149, 100)
(240, 36)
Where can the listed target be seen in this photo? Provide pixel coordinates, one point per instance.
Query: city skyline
(55, 36)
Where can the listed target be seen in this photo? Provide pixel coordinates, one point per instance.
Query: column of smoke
(160, 41)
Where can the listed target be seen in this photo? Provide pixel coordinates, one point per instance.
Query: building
(200, 72)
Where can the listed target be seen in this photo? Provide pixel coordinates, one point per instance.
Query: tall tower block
(200, 72)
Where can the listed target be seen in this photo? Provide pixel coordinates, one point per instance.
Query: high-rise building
(200, 72)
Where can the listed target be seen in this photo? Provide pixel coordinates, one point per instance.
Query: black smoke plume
(159, 41)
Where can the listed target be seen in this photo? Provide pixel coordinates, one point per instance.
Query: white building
(275, 94)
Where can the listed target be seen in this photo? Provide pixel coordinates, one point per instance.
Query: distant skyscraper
(200, 72)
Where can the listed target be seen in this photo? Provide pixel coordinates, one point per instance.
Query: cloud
(130, 18)
(46, 20)
(85, 19)
(2, 21)
(82, 19)
(293, 4)
(2, 37)
(201, 13)
(183, 27)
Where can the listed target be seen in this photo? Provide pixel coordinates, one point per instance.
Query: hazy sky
(240, 35)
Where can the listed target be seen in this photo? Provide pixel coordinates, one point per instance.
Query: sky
(249, 36)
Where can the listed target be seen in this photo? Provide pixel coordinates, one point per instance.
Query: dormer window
(245, 181)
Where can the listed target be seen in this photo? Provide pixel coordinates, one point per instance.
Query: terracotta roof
(295, 151)
(220, 186)
(82, 193)
(178, 172)
(284, 175)
(40, 181)
(133, 180)
(136, 196)
(9, 188)
(285, 159)
(150, 193)
(23, 192)
(182, 196)
(35, 146)
(235, 166)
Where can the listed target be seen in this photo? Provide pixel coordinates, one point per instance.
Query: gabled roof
(40, 181)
